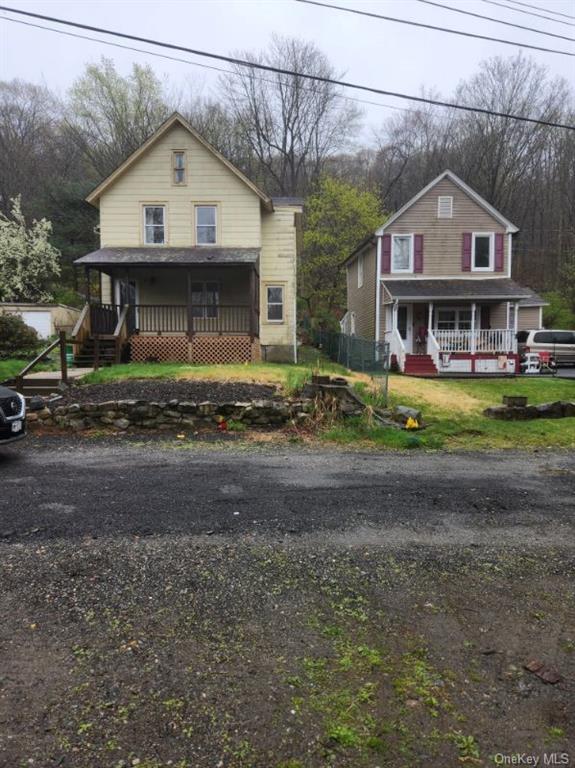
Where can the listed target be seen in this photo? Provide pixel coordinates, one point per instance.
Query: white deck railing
(495, 341)
(397, 348)
(433, 348)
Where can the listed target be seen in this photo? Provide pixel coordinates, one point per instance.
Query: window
(275, 297)
(179, 167)
(360, 271)
(402, 253)
(445, 207)
(482, 252)
(205, 224)
(205, 300)
(453, 319)
(154, 224)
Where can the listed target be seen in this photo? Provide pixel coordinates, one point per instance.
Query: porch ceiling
(149, 256)
(500, 289)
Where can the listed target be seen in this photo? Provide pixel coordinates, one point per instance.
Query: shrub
(16, 336)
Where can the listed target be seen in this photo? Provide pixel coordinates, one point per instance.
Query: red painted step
(420, 365)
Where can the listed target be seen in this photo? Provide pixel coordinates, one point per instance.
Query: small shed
(46, 319)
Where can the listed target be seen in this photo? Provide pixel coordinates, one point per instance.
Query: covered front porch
(200, 305)
(442, 331)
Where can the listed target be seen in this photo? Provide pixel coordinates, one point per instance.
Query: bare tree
(110, 116)
(292, 125)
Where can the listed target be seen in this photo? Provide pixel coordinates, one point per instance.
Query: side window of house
(482, 251)
(402, 253)
(154, 224)
(275, 303)
(206, 225)
(360, 271)
(179, 166)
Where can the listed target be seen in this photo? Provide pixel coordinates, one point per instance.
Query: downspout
(295, 329)
(377, 289)
(509, 242)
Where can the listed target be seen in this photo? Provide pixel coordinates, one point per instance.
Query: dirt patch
(164, 390)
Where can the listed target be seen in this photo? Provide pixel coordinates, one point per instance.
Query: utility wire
(291, 73)
(528, 5)
(196, 63)
(431, 26)
(497, 21)
(528, 13)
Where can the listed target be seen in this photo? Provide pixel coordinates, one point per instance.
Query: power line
(432, 26)
(291, 73)
(549, 10)
(195, 63)
(497, 21)
(529, 13)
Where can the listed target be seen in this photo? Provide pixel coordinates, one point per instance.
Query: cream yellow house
(196, 263)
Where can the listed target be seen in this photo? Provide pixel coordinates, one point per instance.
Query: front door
(126, 293)
(405, 325)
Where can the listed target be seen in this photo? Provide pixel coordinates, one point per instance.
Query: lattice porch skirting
(207, 350)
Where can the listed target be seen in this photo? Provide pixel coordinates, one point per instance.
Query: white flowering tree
(28, 262)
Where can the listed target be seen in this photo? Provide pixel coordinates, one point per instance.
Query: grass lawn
(452, 409)
(12, 367)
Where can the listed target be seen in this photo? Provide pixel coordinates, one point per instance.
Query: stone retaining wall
(175, 414)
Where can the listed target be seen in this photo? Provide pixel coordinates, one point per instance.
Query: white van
(559, 344)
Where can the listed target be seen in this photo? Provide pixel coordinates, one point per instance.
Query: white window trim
(154, 205)
(274, 304)
(205, 205)
(360, 271)
(457, 309)
(491, 237)
(183, 183)
(441, 198)
(410, 268)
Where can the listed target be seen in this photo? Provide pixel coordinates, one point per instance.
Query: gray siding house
(435, 282)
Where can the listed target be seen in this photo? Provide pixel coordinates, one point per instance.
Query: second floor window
(154, 225)
(482, 252)
(205, 224)
(402, 253)
(179, 167)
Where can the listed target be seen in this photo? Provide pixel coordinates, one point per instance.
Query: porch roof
(500, 289)
(150, 256)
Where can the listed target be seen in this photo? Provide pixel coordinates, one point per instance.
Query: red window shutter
(418, 253)
(386, 254)
(466, 252)
(498, 252)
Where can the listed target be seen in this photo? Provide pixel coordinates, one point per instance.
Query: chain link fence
(353, 352)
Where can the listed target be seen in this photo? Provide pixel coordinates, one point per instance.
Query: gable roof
(511, 228)
(174, 119)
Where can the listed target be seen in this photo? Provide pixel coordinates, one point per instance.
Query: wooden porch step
(419, 365)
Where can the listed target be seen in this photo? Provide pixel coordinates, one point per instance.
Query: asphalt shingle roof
(151, 256)
(495, 289)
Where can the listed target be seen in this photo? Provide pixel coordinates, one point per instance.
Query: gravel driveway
(277, 608)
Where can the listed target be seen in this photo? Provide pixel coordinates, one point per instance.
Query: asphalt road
(66, 488)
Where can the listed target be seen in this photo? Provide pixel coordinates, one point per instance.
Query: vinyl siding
(443, 237)
(278, 266)
(528, 318)
(498, 315)
(149, 181)
(361, 301)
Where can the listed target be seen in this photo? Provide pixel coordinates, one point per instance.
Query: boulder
(36, 403)
(402, 413)
(122, 423)
(550, 410)
(568, 408)
(185, 407)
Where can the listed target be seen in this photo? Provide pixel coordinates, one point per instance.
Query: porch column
(252, 303)
(430, 318)
(473, 344)
(394, 316)
(515, 326)
(189, 306)
(87, 275)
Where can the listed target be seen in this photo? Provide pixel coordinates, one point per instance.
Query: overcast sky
(369, 51)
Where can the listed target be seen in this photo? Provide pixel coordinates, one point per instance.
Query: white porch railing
(433, 348)
(397, 348)
(495, 341)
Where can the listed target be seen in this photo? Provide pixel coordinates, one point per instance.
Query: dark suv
(12, 416)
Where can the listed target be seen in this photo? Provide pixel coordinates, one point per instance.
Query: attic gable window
(445, 207)
(154, 224)
(179, 167)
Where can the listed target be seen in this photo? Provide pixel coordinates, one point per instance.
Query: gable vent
(445, 207)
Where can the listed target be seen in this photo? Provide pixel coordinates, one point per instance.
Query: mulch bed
(163, 390)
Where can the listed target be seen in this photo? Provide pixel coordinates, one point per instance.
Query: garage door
(40, 321)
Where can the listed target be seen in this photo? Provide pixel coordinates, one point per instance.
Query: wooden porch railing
(500, 340)
(18, 381)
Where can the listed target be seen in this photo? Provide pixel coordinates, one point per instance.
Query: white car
(560, 345)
